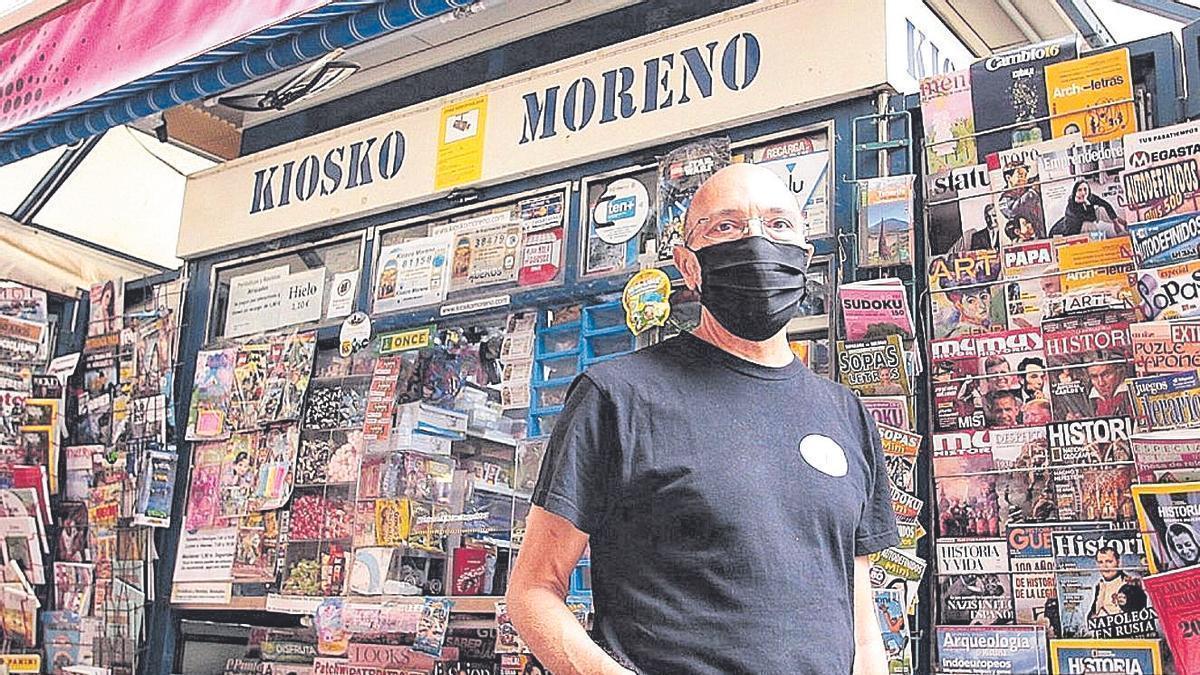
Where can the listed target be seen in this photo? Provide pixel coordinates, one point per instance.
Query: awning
(59, 264)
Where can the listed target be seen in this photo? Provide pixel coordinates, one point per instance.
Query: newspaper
(1167, 456)
(1169, 292)
(1169, 519)
(875, 309)
(1166, 401)
(1166, 241)
(1174, 595)
(874, 368)
(949, 121)
(991, 650)
(1095, 569)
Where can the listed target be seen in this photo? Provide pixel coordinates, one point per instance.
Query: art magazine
(964, 297)
(1099, 572)
(1176, 595)
(949, 121)
(1092, 95)
(885, 227)
(1169, 519)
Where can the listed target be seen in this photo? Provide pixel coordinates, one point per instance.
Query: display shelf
(492, 437)
(464, 604)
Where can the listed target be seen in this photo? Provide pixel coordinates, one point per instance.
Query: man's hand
(536, 592)
(870, 658)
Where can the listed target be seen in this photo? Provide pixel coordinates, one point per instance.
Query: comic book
(1165, 346)
(1008, 91)
(1166, 401)
(1099, 574)
(875, 309)
(1166, 241)
(289, 369)
(249, 377)
(885, 227)
(211, 391)
(991, 650)
(974, 582)
(964, 300)
(1169, 519)
(680, 173)
(874, 368)
(1106, 656)
(1166, 456)
(949, 121)
(1081, 189)
(961, 215)
(1174, 596)
(1161, 189)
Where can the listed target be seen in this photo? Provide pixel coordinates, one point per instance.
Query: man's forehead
(740, 188)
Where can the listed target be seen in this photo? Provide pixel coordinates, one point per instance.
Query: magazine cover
(1082, 191)
(961, 214)
(874, 368)
(964, 299)
(1008, 91)
(957, 394)
(1088, 338)
(1094, 492)
(1092, 442)
(211, 393)
(1092, 95)
(892, 410)
(991, 650)
(1162, 189)
(1169, 292)
(249, 376)
(1166, 401)
(892, 616)
(680, 173)
(1031, 554)
(970, 506)
(1099, 584)
(1154, 145)
(1169, 519)
(1012, 378)
(885, 221)
(1105, 656)
(875, 309)
(1017, 195)
(975, 587)
(106, 307)
(949, 121)
(1166, 456)
(1166, 241)
(1165, 346)
(1174, 596)
(900, 451)
(289, 369)
(73, 586)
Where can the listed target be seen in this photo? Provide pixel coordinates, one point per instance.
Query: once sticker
(823, 454)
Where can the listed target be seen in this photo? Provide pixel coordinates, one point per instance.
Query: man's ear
(688, 266)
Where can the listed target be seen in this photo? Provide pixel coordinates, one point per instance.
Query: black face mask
(752, 286)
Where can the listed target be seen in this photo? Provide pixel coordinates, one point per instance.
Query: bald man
(730, 496)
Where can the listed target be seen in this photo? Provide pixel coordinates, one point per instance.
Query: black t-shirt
(725, 503)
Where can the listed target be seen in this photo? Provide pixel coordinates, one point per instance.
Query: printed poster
(413, 274)
(460, 143)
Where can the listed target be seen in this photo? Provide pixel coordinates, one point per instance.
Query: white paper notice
(206, 555)
(251, 298)
(202, 593)
(413, 274)
(341, 295)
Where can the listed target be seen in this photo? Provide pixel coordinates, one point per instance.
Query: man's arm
(536, 592)
(869, 655)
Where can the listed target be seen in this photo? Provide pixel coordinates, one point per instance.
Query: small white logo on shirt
(823, 454)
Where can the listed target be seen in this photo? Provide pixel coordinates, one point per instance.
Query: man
(999, 375)
(1033, 379)
(988, 237)
(1109, 395)
(729, 495)
(1112, 578)
(1003, 409)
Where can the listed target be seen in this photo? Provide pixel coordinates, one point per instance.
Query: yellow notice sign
(460, 143)
(1079, 92)
(22, 663)
(408, 340)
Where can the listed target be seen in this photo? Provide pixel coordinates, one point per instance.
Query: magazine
(1081, 189)
(1169, 519)
(1094, 492)
(895, 411)
(964, 300)
(892, 615)
(1166, 241)
(1031, 554)
(289, 368)
(1088, 338)
(957, 395)
(874, 368)
(249, 378)
(974, 581)
(885, 221)
(900, 451)
(961, 216)
(1092, 95)
(1099, 441)
(1166, 401)
(1011, 383)
(1008, 91)
(680, 173)
(73, 586)
(991, 650)
(1165, 346)
(211, 392)
(1106, 656)
(1163, 189)
(1166, 456)
(1169, 292)
(949, 121)
(875, 309)
(1174, 595)
(1155, 145)
(1099, 574)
